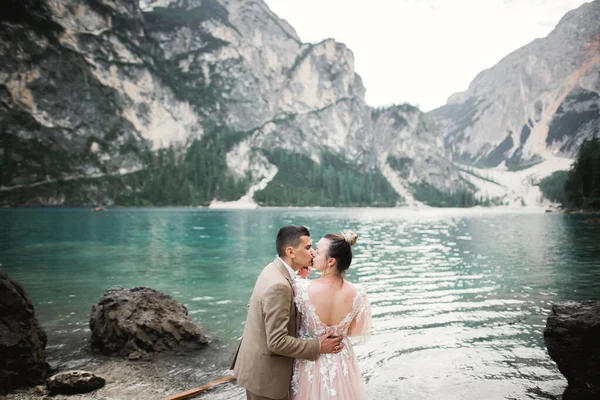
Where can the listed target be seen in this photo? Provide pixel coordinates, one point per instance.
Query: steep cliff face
(91, 88)
(57, 117)
(303, 98)
(411, 151)
(319, 107)
(538, 102)
(81, 93)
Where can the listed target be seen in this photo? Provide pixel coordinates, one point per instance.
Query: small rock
(41, 390)
(73, 382)
(139, 355)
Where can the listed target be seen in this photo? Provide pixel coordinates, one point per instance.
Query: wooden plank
(201, 389)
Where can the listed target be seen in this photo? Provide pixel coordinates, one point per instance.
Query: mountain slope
(538, 102)
(172, 102)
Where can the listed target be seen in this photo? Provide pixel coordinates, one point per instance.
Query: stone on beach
(571, 336)
(73, 382)
(142, 320)
(22, 340)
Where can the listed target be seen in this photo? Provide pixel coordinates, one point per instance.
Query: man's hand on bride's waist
(330, 343)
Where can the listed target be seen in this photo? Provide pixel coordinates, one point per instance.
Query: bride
(331, 303)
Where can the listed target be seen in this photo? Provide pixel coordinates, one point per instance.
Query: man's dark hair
(289, 236)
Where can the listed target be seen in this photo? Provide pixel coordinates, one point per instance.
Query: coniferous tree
(582, 189)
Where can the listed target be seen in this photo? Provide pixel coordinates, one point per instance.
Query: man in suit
(264, 361)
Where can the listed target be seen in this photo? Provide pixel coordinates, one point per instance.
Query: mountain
(187, 102)
(537, 103)
(198, 102)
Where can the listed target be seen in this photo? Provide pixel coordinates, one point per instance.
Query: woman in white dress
(331, 303)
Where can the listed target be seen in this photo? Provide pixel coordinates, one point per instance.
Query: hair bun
(350, 237)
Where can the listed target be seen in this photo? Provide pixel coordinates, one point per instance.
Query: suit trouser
(252, 396)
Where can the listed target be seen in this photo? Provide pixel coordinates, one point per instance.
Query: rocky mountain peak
(511, 114)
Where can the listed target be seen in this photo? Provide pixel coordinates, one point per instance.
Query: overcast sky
(422, 51)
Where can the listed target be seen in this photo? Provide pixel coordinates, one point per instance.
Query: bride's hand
(304, 272)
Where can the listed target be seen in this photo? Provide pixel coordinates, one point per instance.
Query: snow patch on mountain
(514, 188)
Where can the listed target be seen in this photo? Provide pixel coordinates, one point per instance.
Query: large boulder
(22, 340)
(73, 382)
(142, 320)
(572, 337)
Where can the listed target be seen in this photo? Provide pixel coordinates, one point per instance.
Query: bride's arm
(360, 327)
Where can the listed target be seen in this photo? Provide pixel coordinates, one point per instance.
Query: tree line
(194, 177)
(462, 197)
(578, 188)
(332, 182)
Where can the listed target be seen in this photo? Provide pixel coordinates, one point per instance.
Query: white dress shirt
(290, 270)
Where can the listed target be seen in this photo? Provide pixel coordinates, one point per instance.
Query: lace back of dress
(311, 323)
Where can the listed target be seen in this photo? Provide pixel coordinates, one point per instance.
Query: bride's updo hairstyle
(340, 248)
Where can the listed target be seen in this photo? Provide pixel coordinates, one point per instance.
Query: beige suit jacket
(264, 360)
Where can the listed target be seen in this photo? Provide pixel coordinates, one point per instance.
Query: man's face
(303, 255)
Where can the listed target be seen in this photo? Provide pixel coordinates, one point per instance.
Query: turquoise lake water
(460, 297)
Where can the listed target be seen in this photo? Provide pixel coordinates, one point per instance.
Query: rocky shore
(152, 379)
(143, 346)
(124, 380)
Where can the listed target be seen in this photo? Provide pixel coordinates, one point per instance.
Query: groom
(264, 361)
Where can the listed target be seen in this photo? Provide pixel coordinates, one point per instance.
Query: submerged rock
(571, 336)
(22, 340)
(142, 320)
(73, 382)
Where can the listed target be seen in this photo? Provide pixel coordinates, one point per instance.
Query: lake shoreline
(580, 212)
(124, 380)
(133, 380)
(541, 208)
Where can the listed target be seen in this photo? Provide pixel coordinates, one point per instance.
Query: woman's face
(321, 258)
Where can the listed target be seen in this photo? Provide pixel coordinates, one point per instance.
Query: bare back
(332, 301)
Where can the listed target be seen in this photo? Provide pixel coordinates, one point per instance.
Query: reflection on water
(460, 297)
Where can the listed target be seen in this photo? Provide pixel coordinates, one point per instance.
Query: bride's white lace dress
(331, 376)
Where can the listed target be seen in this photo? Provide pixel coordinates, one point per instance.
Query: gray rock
(142, 320)
(22, 340)
(571, 336)
(73, 382)
(139, 356)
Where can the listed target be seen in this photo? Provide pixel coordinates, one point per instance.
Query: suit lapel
(286, 274)
(281, 268)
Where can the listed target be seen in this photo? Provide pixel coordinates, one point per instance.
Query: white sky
(422, 51)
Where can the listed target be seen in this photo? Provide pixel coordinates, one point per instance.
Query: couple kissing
(296, 341)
